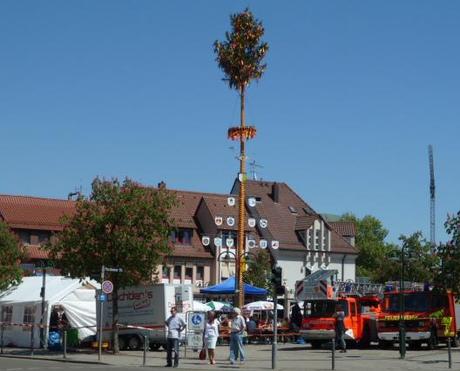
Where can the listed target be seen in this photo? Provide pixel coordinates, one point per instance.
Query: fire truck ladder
(357, 288)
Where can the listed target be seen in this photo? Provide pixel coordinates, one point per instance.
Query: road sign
(107, 287)
(117, 270)
(196, 321)
(195, 340)
(103, 297)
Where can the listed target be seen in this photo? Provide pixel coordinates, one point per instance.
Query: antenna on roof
(77, 192)
(253, 166)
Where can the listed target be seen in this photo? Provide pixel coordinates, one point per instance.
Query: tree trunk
(115, 345)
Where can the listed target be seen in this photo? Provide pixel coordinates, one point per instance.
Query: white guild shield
(251, 244)
(218, 242)
(231, 221)
(252, 201)
(218, 220)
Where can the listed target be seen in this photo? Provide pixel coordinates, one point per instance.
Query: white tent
(200, 307)
(261, 305)
(22, 304)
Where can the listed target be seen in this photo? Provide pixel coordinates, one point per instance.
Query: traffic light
(277, 280)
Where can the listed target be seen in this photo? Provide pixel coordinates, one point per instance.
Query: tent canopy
(228, 287)
(261, 305)
(75, 296)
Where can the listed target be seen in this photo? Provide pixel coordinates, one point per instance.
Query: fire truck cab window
(323, 308)
(353, 309)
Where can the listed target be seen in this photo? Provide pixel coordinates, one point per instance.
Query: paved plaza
(290, 357)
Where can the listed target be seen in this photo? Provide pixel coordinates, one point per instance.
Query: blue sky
(353, 94)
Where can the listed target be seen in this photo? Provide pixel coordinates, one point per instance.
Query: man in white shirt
(236, 336)
(175, 326)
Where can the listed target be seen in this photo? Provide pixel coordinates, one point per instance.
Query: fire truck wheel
(455, 342)
(315, 344)
(415, 345)
(134, 343)
(154, 347)
(383, 344)
(433, 340)
(365, 341)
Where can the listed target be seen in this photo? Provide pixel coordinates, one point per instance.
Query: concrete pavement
(290, 357)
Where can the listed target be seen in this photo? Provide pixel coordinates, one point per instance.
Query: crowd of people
(236, 326)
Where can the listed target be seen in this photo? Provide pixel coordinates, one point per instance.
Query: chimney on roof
(162, 185)
(276, 192)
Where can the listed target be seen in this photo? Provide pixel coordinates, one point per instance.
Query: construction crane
(432, 199)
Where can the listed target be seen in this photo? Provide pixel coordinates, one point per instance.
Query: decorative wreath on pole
(242, 133)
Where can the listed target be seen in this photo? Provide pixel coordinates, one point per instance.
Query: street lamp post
(402, 326)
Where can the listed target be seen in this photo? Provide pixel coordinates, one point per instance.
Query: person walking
(210, 336)
(236, 337)
(175, 326)
(340, 328)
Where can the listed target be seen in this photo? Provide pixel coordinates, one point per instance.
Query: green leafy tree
(121, 225)
(258, 270)
(11, 253)
(420, 262)
(448, 275)
(374, 253)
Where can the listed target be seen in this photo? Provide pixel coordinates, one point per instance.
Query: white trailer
(142, 310)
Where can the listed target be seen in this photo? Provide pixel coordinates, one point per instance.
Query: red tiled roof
(344, 228)
(34, 213)
(340, 245)
(290, 214)
(35, 252)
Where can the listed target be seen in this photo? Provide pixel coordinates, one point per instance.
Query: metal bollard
(1, 340)
(64, 345)
(333, 354)
(449, 352)
(145, 350)
(32, 340)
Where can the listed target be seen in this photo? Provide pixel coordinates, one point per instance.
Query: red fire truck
(321, 295)
(429, 317)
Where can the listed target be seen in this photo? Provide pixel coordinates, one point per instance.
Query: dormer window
(292, 209)
(182, 236)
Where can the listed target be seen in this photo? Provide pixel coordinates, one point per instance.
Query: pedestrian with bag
(210, 336)
(236, 337)
(340, 328)
(175, 326)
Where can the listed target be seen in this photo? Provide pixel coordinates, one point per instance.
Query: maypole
(240, 57)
